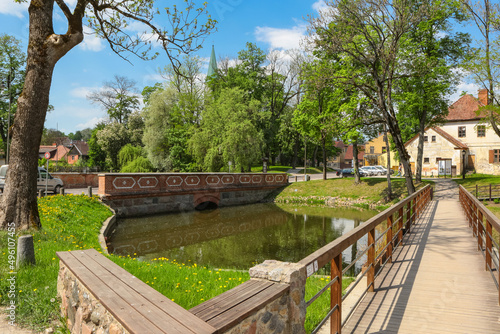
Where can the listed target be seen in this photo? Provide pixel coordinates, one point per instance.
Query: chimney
(483, 96)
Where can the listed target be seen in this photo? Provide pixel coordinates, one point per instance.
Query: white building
(466, 139)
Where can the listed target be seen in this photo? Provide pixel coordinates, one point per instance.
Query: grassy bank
(72, 223)
(369, 191)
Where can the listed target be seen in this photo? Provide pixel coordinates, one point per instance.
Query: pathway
(437, 282)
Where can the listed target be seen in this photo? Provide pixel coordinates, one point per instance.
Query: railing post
(414, 211)
(389, 238)
(490, 192)
(489, 244)
(336, 294)
(477, 192)
(400, 227)
(370, 275)
(408, 216)
(479, 230)
(474, 220)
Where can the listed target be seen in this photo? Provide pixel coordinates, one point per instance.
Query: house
(79, 150)
(376, 152)
(349, 156)
(338, 161)
(71, 151)
(464, 142)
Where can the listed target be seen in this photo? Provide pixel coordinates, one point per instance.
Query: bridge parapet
(150, 193)
(130, 184)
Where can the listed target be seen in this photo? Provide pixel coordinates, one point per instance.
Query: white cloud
(91, 41)
(82, 92)
(468, 87)
(320, 6)
(91, 123)
(281, 38)
(10, 7)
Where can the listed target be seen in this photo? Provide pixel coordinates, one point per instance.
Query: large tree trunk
(19, 202)
(389, 185)
(420, 149)
(323, 146)
(357, 178)
(295, 154)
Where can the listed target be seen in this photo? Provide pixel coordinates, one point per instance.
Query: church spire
(212, 65)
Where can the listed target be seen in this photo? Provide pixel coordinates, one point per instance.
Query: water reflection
(235, 237)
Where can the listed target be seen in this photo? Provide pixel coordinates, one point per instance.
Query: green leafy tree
(422, 99)
(370, 34)
(12, 73)
(132, 160)
(482, 62)
(318, 113)
(111, 139)
(109, 20)
(97, 157)
(237, 138)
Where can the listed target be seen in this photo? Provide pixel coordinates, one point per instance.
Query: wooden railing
(490, 191)
(399, 218)
(482, 222)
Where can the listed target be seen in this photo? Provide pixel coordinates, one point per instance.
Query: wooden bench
(135, 305)
(230, 308)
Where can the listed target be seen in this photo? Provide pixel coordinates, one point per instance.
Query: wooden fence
(483, 221)
(394, 221)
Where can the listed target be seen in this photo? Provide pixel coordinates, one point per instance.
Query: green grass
(470, 181)
(72, 223)
(321, 306)
(372, 190)
(284, 169)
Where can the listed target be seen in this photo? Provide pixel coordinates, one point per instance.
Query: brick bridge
(141, 194)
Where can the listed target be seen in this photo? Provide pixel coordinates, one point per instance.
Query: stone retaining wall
(78, 180)
(83, 312)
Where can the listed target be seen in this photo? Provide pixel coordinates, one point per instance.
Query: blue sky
(275, 24)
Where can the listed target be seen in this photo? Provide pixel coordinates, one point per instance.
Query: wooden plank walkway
(437, 283)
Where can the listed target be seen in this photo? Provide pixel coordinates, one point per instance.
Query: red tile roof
(465, 108)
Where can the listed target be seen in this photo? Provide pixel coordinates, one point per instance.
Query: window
(481, 131)
(426, 139)
(437, 160)
(494, 156)
(73, 157)
(426, 160)
(384, 149)
(433, 139)
(372, 149)
(461, 131)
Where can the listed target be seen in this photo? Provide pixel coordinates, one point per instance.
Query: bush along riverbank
(72, 223)
(371, 193)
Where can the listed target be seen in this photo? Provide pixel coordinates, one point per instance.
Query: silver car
(44, 179)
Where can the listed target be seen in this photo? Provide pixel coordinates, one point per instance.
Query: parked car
(382, 170)
(347, 172)
(369, 170)
(44, 178)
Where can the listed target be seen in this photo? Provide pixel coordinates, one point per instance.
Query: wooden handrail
(482, 221)
(332, 252)
(328, 252)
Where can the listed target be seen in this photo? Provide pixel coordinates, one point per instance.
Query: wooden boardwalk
(437, 282)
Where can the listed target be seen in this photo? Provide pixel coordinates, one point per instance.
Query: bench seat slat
(231, 297)
(195, 324)
(148, 311)
(236, 314)
(227, 309)
(108, 298)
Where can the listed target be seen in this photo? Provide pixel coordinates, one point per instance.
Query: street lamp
(463, 164)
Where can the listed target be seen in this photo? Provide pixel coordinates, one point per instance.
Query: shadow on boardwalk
(436, 283)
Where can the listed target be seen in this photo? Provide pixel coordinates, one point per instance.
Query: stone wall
(78, 180)
(83, 312)
(134, 206)
(287, 315)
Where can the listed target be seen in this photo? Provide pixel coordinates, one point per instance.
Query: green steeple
(212, 65)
